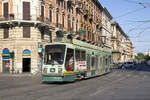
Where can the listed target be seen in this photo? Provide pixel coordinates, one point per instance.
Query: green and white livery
(68, 61)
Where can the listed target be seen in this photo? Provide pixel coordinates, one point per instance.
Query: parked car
(128, 64)
(148, 62)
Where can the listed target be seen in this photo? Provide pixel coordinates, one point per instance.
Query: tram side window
(77, 55)
(80, 55)
(96, 62)
(93, 62)
(88, 62)
(69, 60)
(83, 56)
(110, 59)
(106, 62)
(101, 62)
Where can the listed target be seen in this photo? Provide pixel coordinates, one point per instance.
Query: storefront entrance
(26, 61)
(6, 60)
(26, 64)
(6, 66)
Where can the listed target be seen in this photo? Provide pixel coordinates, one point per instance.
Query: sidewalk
(19, 75)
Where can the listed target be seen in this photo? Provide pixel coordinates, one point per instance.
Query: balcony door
(5, 10)
(26, 10)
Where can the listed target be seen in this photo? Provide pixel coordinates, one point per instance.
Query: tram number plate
(52, 70)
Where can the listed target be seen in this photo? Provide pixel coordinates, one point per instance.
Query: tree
(141, 56)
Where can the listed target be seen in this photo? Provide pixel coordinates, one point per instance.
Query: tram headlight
(45, 70)
(59, 70)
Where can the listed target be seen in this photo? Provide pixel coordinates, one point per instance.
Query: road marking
(99, 91)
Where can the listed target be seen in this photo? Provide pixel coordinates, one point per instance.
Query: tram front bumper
(46, 78)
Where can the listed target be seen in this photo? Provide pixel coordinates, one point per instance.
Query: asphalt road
(129, 84)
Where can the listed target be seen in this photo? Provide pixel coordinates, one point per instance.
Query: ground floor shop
(22, 50)
(23, 58)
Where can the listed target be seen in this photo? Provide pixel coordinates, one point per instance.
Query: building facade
(122, 46)
(130, 51)
(107, 28)
(27, 25)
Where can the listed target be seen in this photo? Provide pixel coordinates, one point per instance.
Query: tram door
(100, 64)
(96, 65)
(69, 64)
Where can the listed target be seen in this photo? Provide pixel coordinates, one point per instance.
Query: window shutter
(26, 10)
(6, 33)
(26, 32)
(5, 10)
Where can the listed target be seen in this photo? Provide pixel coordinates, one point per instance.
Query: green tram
(67, 62)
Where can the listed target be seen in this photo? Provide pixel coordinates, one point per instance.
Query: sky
(134, 18)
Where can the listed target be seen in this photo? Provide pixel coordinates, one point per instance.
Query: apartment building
(90, 22)
(116, 54)
(107, 28)
(130, 52)
(121, 45)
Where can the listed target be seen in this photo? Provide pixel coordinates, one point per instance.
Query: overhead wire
(141, 32)
(143, 4)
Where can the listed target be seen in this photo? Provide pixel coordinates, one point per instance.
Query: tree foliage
(141, 56)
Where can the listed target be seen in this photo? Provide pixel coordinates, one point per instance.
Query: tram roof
(79, 43)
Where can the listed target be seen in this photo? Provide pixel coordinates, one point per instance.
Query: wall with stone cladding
(18, 44)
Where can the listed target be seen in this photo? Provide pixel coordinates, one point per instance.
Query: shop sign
(27, 53)
(5, 54)
(40, 50)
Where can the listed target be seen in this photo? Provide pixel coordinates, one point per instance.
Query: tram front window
(54, 54)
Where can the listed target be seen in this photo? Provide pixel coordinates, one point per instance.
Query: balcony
(79, 5)
(10, 17)
(43, 19)
(99, 27)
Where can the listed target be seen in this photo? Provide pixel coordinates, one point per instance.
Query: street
(128, 84)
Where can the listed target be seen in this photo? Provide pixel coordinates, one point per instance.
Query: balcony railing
(10, 17)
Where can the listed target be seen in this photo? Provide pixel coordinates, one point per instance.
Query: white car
(148, 62)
